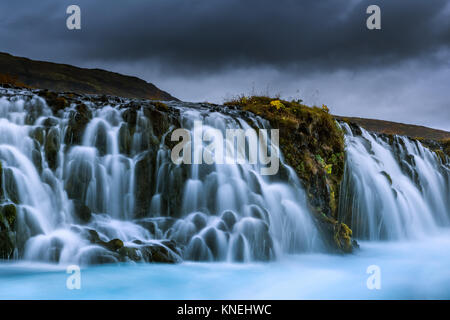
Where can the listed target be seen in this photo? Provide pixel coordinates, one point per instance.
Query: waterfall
(95, 183)
(394, 188)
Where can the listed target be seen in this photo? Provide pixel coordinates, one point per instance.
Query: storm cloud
(320, 51)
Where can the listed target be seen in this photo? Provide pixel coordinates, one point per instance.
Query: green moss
(1, 181)
(312, 143)
(343, 237)
(160, 106)
(388, 177)
(8, 216)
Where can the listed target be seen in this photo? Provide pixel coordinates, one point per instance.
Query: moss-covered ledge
(313, 144)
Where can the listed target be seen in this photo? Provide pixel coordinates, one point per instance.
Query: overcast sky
(211, 50)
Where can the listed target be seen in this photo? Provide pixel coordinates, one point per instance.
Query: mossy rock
(77, 123)
(10, 186)
(52, 145)
(343, 237)
(313, 144)
(54, 101)
(144, 182)
(8, 216)
(1, 182)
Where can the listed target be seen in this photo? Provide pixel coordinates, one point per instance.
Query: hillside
(389, 127)
(62, 77)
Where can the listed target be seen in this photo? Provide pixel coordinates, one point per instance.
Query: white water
(409, 270)
(397, 192)
(227, 212)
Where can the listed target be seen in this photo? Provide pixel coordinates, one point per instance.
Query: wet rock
(130, 117)
(7, 244)
(39, 134)
(256, 233)
(343, 237)
(229, 217)
(82, 211)
(259, 213)
(1, 182)
(50, 122)
(158, 120)
(113, 245)
(52, 145)
(125, 139)
(199, 220)
(159, 253)
(77, 183)
(37, 160)
(101, 140)
(212, 238)
(238, 253)
(99, 255)
(11, 188)
(144, 183)
(129, 253)
(35, 108)
(77, 123)
(154, 225)
(8, 215)
(197, 250)
(54, 101)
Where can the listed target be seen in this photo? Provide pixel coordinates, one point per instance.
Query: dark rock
(144, 183)
(159, 253)
(8, 216)
(1, 182)
(50, 122)
(130, 117)
(113, 245)
(130, 253)
(238, 249)
(101, 140)
(158, 120)
(82, 211)
(37, 160)
(54, 101)
(11, 188)
(125, 139)
(229, 217)
(52, 145)
(77, 123)
(39, 134)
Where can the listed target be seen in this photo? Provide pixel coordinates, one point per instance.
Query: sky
(214, 50)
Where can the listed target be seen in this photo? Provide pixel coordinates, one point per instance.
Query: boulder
(144, 182)
(8, 216)
(77, 123)
(51, 147)
(82, 211)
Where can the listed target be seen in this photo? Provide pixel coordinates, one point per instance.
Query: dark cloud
(208, 49)
(204, 35)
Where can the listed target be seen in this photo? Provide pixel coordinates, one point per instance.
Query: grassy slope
(389, 127)
(62, 77)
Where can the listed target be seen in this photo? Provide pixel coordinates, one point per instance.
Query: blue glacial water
(409, 270)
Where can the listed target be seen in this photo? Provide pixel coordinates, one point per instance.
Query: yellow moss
(277, 104)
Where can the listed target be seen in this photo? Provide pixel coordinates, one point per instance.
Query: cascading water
(95, 183)
(393, 188)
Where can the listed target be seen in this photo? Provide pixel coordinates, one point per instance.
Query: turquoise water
(409, 270)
